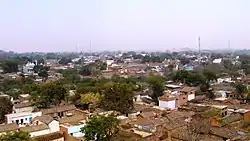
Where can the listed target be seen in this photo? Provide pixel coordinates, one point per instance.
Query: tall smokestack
(199, 45)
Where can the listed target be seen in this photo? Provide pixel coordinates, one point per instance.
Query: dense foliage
(47, 94)
(5, 107)
(157, 87)
(101, 128)
(10, 66)
(16, 136)
(118, 96)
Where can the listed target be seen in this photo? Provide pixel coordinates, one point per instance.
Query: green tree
(87, 85)
(181, 76)
(5, 107)
(64, 61)
(156, 85)
(14, 92)
(10, 66)
(118, 96)
(89, 98)
(194, 79)
(101, 128)
(7, 84)
(70, 75)
(51, 93)
(28, 88)
(210, 94)
(86, 101)
(85, 71)
(37, 68)
(241, 90)
(44, 74)
(245, 63)
(209, 74)
(205, 87)
(16, 136)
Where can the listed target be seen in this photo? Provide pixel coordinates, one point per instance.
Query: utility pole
(76, 48)
(229, 46)
(199, 45)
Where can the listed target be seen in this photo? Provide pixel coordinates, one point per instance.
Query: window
(21, 121)
(223, 114)
(71, 134)
(30, 119)
(26, 119)
(184, 98)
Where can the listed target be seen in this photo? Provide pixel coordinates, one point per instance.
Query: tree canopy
(156, 85)
(44, 74)
(64, 60)
(241, 91)
(209, 74)
(92, 68)
(118, 96)
(16, 136)
(101, 128)
(5, 107)
(50, 93)
(90, 98)
(10, 66)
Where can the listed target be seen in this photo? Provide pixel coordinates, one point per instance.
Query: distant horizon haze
(147, 25)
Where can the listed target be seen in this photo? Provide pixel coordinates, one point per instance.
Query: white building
(109, 63)
(227, 79)
(21, 118)
(173, 99)
(22, 107)
(217, 61)
(76, 59)
(73, 124)
(168, 103)
(36, 130)
(74, 130)
(49, 121)
(41, 125)
(28, 68)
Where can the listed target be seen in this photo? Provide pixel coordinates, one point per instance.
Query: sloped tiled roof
(8, 127)
(147, 114)
(75, 118)
(44, 118)
(223, 132)
(49, 137)
(34, 128)
(187, 89)
(144, 122)
(231, 118)
(22, 105)
(58, 109)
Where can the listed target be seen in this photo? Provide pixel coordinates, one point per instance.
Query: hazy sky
(61, 25)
